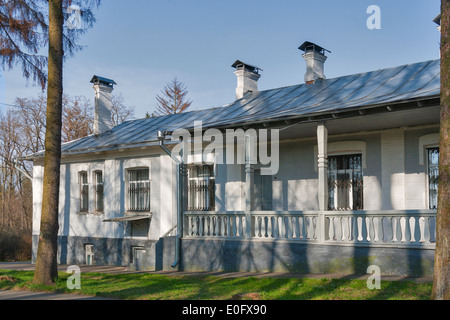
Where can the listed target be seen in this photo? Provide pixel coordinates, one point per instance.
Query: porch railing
(395, 227)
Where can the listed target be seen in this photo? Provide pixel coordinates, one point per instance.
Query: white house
(354, 179)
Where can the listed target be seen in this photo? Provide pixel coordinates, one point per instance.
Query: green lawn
(162, 287)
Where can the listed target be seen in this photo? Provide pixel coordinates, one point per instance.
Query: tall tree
(441, 283)
(46, 270)
(173, 99)
(24, 31)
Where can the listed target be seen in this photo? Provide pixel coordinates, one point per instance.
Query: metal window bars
(345, 182)
(201, 188)
(138, 190)
(433, 177)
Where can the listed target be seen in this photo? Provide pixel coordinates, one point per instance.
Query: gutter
(161, 138)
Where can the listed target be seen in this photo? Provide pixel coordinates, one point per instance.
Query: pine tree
(441, 283)
(173, 99)
(24, 31)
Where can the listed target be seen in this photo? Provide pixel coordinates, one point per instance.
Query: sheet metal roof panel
(390, 85)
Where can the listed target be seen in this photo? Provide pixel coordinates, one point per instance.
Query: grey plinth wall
(154, 255)
(286, 256)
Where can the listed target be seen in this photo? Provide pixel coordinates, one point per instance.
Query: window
(138, 190)
(201, 187)
(98, 178)
(262, 191)
(84, 191)
(345, 182)
(433, 176)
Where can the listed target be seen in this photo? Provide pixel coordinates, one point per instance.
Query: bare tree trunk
(441, 284)
(46, 271)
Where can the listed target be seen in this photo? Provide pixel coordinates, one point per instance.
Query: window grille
(345, 182)
(98, 191)
(201, 188)
(138, 190)
(433, 177)
(84, 192)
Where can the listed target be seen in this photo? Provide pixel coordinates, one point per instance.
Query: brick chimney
(247, 78)
(103, 104)
(315, 59)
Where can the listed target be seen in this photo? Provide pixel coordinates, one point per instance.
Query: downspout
(26, 175)
(161, 138)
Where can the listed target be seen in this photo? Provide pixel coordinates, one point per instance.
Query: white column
(322, 166)
(249, 185)
(249, 174)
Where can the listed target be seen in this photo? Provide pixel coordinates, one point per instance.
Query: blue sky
(144, 44)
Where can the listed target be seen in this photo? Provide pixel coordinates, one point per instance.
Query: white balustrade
(416, 227)
(396, 227)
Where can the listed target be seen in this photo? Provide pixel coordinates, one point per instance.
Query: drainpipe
(21, 171)
(161, 138)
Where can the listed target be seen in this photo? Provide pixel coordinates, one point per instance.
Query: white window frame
(83, 187)
(98, 185)
(350, 173)
(427, 174)
(195, 197)
(129, 185)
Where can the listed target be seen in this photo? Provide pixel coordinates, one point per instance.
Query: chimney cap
(238, 64)
(310, 46)
(101, 80)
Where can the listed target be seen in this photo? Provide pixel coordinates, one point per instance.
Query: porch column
(249, 173)
(249, 185)
(322, 166)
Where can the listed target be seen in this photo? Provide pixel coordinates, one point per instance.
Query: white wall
(394, 178)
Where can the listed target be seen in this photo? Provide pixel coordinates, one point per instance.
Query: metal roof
(412, 82)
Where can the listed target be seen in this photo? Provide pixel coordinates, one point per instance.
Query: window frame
(96, 185)
(333, 179)
(428, 166)
(133, 208)
(193, 184)
(83, 191)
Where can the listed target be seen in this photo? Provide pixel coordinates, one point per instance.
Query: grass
(147, 286)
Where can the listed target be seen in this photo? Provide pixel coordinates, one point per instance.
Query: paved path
(34, 295)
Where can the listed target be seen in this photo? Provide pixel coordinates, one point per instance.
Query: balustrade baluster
(359, 224)
(403, 229)
(376, 229)
(422, 229)
(412, 229)
(432, 223)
